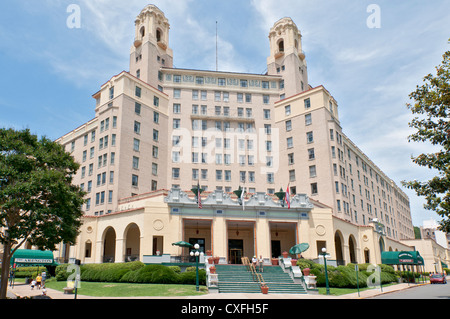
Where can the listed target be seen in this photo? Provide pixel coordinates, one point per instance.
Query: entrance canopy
(401, 258)
(29, 257)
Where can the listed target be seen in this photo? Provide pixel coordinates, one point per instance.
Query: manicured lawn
(104, 289)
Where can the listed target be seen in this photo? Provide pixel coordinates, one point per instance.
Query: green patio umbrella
(299, 248)
(182, 244)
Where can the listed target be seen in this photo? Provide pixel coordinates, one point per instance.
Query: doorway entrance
(235, 250)
(276, 248)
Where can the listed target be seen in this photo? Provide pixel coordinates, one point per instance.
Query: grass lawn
(109, 289)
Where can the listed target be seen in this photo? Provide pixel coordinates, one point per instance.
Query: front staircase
(237, 279)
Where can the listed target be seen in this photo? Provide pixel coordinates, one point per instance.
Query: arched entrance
(132, 242)
(338, 246)
(109, 245)
(352, 249)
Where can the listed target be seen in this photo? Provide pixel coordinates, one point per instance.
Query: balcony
(137, 43)
(279, 53)
(162, 44)
(301, 55)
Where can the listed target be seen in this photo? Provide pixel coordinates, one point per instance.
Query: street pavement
(23, 290)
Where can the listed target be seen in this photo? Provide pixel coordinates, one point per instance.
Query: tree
(38, 202)
(432, 104)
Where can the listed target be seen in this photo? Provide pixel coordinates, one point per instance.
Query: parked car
(438, 279)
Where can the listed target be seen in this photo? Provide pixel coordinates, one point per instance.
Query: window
(251, 177)
(175, 157)
(195, 174)
(308, 119)
(312, 171)
(266, 99)
(267, 129)
(288, 126)
(134, 180)
(291, 158)
(135, 162)
(219, 175)
(270, 178)
(176, 93)
(244, 83)
(155, 169)
(309, 137)
(287, 110)
(175, 173)
(177, 108)
(156, 117)
(267, 114)
(137, 127)
(137, 108)
(311, 154)
(111, 93)
(242, 176)
(222, 82)
(292, 175)
(136, 144)
(138, 91)
(176, 123)
(314, 190)
(307, 103)
(268, 146)
(177, 78)
(199, 80)
(290, 142)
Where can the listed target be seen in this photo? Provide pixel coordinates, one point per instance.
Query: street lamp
(324, 254)
(195, 252)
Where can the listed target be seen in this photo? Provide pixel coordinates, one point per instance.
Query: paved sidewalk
(22, 290)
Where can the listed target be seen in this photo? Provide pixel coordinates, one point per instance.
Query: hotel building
(159, 128)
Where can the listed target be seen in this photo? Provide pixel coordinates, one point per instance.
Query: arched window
(158, 35)
(142, 32)
(281, 45)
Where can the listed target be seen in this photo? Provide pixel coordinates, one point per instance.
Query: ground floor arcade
(145, 227)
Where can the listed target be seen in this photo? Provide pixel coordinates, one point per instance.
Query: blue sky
(50, 71)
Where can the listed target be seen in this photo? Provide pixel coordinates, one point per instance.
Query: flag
(288, 200)
(199, 198)
(242, 199)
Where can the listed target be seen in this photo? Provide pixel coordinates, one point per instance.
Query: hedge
(30, 272)
(133, 272)
(345, 276)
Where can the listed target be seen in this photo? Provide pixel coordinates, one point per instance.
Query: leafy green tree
(432, 122)
(38, 202)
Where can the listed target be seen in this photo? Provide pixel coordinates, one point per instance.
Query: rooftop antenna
(217, 61)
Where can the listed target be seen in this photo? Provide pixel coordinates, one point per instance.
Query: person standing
(38, 281)
(260, 262)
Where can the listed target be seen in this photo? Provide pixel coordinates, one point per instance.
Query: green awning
(401, 258)
(29, 257)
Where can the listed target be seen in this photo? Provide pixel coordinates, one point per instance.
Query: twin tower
(151, 52)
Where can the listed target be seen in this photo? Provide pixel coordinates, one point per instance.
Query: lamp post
(324, 254)
(195, 252)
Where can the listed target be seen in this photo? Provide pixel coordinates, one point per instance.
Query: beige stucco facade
(147, 226)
